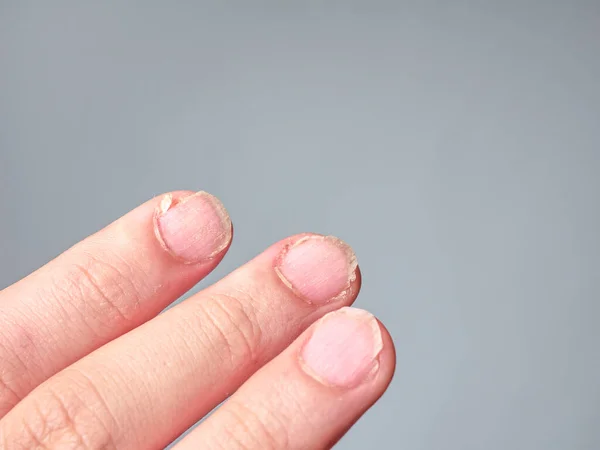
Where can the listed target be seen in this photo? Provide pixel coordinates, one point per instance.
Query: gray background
(453, 144)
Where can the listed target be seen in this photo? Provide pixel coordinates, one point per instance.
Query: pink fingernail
(193, 229)
(343, 348)
(317, 268)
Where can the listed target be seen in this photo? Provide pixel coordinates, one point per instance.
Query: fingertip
(192, 228)
(319, 269)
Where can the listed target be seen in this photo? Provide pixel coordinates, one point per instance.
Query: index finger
(105, 286)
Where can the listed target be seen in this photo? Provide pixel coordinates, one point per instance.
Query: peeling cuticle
(165, 204)
(319, 269)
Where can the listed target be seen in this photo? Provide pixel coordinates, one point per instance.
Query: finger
(105, 286)
(309, 395)
(147, 387)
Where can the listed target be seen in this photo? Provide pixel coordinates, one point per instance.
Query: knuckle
(255, 428)
(104, 287)
(232, 325)
(60, 420)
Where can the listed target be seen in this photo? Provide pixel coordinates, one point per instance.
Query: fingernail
(318, 268)
(343, 348)
(194, 228)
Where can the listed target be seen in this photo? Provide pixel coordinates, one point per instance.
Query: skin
(86, 361)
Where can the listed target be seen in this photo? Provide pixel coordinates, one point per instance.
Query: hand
(86, 361)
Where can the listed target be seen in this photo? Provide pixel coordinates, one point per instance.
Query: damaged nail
(194, 228)
(317, 268)
(343, 348)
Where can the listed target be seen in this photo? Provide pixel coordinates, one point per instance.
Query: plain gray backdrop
(453, 144)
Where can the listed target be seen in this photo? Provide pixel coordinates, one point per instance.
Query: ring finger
(309, 395)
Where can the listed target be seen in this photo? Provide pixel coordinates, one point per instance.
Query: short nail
(317, 268)
(343, 348)
(194, 228)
